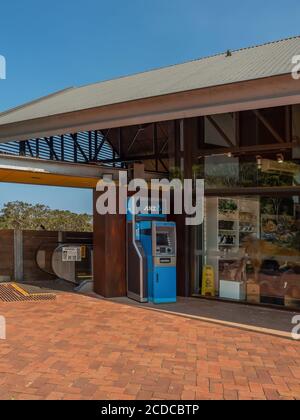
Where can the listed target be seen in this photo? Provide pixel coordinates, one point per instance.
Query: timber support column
(189, 133)
(109, 254)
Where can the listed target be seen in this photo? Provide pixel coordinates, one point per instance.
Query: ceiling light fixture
(280, 158)
(259, 162)
(229, 155)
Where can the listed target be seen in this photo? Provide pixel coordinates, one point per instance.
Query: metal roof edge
(36, 101)
(187, 62)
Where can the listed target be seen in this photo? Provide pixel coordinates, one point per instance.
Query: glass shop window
(253, 247)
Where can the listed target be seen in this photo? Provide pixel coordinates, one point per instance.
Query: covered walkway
(247, 317)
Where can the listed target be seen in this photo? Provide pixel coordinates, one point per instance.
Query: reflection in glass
(253, 246)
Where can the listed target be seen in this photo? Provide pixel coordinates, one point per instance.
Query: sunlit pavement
(83, 348)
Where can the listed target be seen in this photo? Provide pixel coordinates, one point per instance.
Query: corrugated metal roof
(272, 59)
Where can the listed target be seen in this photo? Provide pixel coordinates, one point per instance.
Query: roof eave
(260, 93)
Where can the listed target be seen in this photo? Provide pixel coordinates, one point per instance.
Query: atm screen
(162, 239)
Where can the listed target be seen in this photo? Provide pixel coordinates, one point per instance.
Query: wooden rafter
(269, 127)
(139, 130)
(288, 123)
(220, 131)
(248, 149)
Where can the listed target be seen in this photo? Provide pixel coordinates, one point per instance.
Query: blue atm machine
(151, 258)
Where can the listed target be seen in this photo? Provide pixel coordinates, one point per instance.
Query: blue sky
(50, 45)
(72, 199)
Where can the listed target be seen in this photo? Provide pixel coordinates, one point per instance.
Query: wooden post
(109, 254)
(189, 132)
(18, 256)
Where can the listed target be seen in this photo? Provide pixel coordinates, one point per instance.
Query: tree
(25, 216)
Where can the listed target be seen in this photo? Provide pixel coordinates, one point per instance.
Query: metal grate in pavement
(11, 292)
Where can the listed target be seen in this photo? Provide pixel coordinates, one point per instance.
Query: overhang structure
(251, 78)
(73, 136)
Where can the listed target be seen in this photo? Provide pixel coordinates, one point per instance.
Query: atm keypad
(164, 251)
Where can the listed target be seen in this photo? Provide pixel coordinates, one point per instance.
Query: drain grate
(11, 292)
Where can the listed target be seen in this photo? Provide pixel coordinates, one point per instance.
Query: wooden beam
(109, 254)
(120, 141)
(201, 133)
(288, 123)
(220, 131)
(265, 191)
(155, 145)
(237, 129)
(248, 149)
(268, 126)
(90, 146)
(134, 158)
(62, 147)
(243, 96)
(139, 130)
(164, 165)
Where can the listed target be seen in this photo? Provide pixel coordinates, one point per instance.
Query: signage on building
(71, 254)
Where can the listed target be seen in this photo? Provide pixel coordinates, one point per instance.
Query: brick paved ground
(82, 348)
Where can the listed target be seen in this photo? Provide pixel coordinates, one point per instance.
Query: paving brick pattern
(83, 348)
